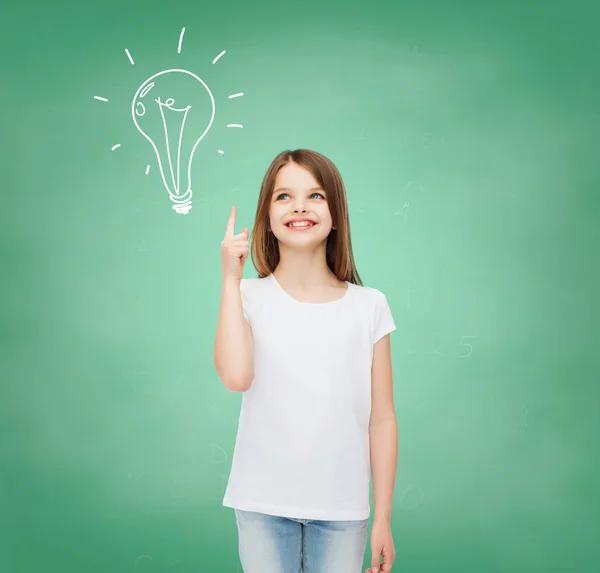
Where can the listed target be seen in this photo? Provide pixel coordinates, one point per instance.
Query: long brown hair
(264, 249)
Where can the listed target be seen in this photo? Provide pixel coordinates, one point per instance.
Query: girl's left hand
(382, 545)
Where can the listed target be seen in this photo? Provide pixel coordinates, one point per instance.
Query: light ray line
(234, 125)
(236, 95)
(215, 60)
(180, 39)
(100, 98)
(115, 146)
(129, 56)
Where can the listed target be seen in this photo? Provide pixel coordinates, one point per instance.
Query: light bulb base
(183, 204)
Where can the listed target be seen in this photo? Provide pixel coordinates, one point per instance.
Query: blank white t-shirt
(302, 446)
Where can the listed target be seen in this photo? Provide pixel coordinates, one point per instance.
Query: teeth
(300, 224)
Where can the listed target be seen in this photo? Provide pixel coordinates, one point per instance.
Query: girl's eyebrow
(288, 189)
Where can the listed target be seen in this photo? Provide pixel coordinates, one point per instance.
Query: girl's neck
(305, 273)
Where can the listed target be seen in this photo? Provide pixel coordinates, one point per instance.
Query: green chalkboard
(467, 137)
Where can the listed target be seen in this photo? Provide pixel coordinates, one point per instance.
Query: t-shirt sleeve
(245, 299)
(384, 321)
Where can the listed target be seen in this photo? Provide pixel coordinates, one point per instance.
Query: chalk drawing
(154, 100)
(409, 349)
(146, 557)
(466, 345)
(404, 211)
(437, 349)
(362, 134)
(414, 190)
(462, 346)
(180, 40)
(411, 497)
(141, 558)
(146, 111)
(219, 56)
(217, 454)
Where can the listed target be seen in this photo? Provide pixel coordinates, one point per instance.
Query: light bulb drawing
(174, 109)
(154, 111)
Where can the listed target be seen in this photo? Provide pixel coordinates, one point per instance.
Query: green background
(467, 134)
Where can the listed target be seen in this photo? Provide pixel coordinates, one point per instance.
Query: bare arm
(234, 347)
(383, 431)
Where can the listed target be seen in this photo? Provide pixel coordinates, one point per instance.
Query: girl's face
(297, 196)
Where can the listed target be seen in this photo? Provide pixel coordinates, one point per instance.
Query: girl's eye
(315, 193)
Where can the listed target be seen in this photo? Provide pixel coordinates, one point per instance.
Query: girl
(309, 347)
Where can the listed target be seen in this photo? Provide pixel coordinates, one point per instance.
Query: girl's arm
(383, 431)
(234, 352)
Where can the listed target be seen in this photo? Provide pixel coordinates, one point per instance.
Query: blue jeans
(271, 544)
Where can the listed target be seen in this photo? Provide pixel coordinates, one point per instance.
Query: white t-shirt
(302, 447)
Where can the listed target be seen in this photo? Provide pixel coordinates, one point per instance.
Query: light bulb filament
(170, 105)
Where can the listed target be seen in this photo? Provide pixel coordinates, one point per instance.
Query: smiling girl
(309, 347)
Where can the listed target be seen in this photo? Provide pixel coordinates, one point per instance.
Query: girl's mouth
(303, 226)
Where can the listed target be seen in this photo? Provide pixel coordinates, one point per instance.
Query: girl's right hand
(234, 250)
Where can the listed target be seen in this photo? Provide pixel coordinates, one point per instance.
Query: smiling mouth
(300, 226)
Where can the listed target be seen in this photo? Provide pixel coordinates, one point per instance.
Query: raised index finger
(230, 223)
